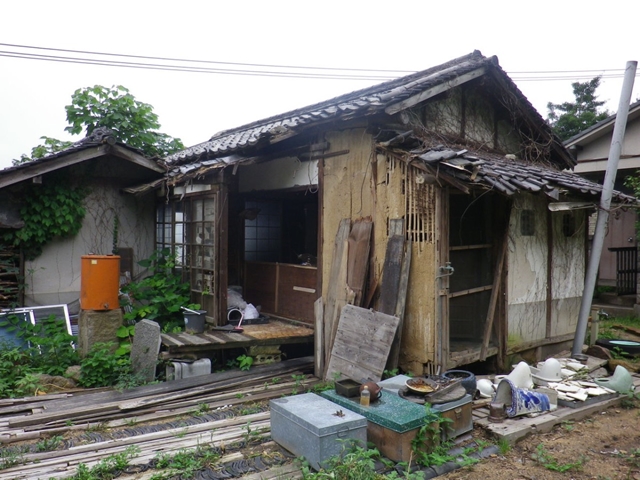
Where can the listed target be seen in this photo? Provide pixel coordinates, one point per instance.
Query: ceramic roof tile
(362, 102)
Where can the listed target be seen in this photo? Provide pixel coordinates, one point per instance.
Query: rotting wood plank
(148, 450)
(493, 301)
(359, 244)
(394, 354)
(391, 275)
(190, 339)
(276, 332)
(96, 401)
(362, 344)
(337, 286)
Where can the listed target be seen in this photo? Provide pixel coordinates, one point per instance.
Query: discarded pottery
(519, 401)
(497, 413)
(485, 387)
(576, 366)
(621, 380)
(561, 387)
(521, 376)
(579, 395)
(550, 371)
(497, 379)
(467, 379)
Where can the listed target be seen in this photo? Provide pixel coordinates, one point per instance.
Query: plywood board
(362, 344)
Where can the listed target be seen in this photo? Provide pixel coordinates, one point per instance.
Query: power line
(269, 70)
(192, 69)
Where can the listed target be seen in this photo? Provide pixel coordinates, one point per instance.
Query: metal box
(177, 370)
(460, 414)
(393, 423)
(312, 427)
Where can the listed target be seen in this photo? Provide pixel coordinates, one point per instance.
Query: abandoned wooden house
(96, 168)
(300, 210)
(454, 160)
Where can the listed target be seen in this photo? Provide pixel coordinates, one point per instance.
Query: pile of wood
(33, 419)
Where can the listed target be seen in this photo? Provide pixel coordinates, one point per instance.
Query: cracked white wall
(528, 272)
(527, 267)
(567, 273)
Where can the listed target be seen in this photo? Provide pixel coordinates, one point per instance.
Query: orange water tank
(99, 282)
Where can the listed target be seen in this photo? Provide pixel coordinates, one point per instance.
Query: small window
(527, 223)
(568, 224)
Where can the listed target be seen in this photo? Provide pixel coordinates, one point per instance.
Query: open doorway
(471, 254)
(279, 251)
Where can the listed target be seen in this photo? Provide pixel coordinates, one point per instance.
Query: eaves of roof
(467, 170)
(389, 97)
(86, 149)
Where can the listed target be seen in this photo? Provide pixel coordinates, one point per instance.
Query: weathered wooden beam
(432, 92)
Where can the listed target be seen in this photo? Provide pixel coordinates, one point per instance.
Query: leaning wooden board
(362, 344)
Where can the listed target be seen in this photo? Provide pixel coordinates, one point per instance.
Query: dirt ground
(603, 446)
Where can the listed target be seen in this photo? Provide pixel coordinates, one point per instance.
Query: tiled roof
(506, 175)
(99, 136)
(356, 104)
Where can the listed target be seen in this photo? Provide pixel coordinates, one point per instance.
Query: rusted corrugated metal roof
(361, 103)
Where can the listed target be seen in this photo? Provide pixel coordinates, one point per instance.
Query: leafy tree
(50, 145)
(570, 118)
(132, 122)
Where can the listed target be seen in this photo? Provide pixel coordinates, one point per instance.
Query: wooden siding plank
(391, 275)
(337, 285)
(358, 257)
(394, 354)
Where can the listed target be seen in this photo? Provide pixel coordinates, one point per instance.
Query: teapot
(374, 389)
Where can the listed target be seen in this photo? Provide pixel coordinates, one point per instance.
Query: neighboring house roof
(601, 128)
(99, 143)
(390, 97)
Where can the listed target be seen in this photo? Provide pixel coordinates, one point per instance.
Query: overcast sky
(570, 39)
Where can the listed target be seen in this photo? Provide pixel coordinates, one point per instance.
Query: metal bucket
(194, 321)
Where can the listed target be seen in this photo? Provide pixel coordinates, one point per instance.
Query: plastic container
(308, 425)
(99, 282)
(194, 322)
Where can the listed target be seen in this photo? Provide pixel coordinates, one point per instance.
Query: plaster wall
(363, 184)
(567, 272)
(347, 187)
(278, 174)
(54, 277)
(527, 267)
(482, 125)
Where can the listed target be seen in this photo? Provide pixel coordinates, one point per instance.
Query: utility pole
(605, 205)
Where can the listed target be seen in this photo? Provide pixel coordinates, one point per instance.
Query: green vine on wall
(52, 210)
